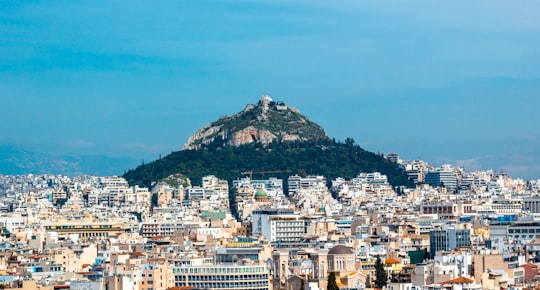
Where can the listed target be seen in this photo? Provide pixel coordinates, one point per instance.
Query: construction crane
(251, 172)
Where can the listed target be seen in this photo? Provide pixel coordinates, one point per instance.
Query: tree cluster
(329, 158)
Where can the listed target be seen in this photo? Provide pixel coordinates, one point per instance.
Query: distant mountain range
(16, 160)
(265, 137)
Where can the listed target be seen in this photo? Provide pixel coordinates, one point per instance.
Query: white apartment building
(227, 277)
(281, 225)
(298, 184)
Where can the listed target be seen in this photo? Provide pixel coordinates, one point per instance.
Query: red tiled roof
(458, 280)
(138, 254)
(391, 261)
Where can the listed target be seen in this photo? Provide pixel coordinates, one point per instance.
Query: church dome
(340, 250)
(260, 194)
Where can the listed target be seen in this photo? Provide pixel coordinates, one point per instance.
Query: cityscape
(418, 167)
(455, 229)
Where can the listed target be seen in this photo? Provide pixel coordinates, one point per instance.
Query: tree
(154, 199)
(302, 284)
(381, 277)
(332, 284)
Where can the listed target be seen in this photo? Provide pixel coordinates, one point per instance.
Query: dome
(261, 194)
(340, 250)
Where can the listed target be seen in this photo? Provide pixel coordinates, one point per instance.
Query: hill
(267, 136)
(265, 122)
(329, 158)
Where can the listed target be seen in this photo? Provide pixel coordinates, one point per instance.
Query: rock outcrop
(265, 122)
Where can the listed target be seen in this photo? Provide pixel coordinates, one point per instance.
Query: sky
(449, 82)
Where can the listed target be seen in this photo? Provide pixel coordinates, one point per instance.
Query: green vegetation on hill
(326, 157)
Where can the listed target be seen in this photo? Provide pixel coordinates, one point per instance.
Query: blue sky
(453, 82)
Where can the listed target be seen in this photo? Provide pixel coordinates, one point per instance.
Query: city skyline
(452, 82)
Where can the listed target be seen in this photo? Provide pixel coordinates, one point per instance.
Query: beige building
(485, 263)
(136, 271)
(340, 260)
(88, 229)
(73, 259)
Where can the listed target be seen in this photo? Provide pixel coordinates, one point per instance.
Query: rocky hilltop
(265, 122)
(267, 136)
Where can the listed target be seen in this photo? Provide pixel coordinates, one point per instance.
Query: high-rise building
(448, 238)
(442, 178)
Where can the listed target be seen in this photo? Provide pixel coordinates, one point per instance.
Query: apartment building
(279, 225)
(225, 276)
(86, 229)
(447, 238)
(442, 177)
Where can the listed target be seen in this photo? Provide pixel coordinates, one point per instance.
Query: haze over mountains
(17, 160)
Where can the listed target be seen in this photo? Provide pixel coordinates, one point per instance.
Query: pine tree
(381, 277)
(332, 284)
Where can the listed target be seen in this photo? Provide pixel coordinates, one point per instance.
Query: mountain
(267, 136)
(265, 122)
(328, 158)
(16, 160)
